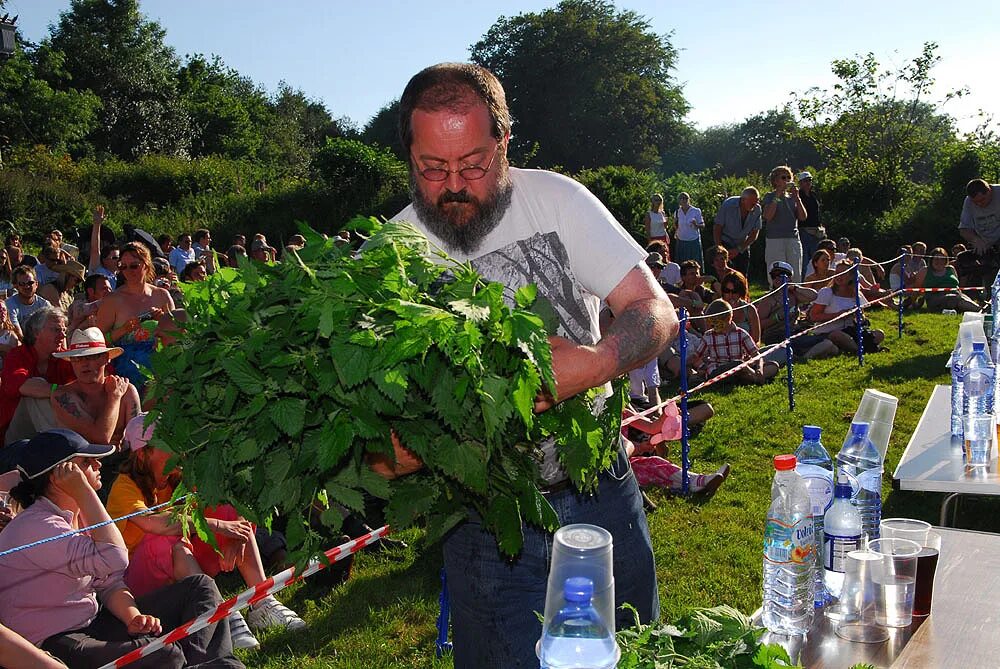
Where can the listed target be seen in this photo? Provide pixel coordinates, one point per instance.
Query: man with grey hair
(518, 227)
(31, 375)
(737, 224)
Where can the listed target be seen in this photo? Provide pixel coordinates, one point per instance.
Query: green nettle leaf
(289, 415)
(288, 375)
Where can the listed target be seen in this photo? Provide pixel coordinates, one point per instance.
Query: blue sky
(736, 58)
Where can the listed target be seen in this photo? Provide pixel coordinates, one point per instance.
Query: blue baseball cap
(47, 449)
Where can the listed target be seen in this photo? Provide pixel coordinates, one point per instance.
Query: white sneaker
(269, 612)
(239, 632)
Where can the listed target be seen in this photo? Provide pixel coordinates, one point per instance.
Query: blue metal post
(683, 347)
(902, 296)
(443, 645)
(788, 345)
(857, 312)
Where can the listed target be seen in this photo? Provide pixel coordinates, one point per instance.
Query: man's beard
(450, 225)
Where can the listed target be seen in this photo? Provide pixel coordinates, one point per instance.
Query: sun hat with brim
(137, 435)
(47, 449)
(655, 260)
(88, 341)
(72, 268)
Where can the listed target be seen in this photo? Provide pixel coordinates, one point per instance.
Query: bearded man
(517, 227)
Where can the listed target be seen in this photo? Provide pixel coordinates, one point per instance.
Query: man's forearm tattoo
(636, 336)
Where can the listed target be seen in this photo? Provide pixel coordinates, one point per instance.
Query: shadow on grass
(928, 366)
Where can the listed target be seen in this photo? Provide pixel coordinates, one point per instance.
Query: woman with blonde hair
(131, 314)
(656, 220)
(782, 211)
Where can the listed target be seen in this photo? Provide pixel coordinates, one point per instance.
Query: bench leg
(944, 509)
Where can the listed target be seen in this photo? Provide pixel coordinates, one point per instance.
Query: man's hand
(144, 624)
(406, 461)
(99, 215)
(733, 252)
(980, 245)
(115, 387)
(69, 478)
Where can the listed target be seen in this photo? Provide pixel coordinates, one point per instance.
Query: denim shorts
(494, 599)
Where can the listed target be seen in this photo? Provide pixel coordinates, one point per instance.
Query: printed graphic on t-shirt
(542, 260)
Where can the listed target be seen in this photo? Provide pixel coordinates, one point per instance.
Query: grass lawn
(705, 554)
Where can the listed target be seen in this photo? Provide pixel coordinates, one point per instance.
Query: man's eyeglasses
(26, 283)
(470, 173)
(778, 275)
(131, 265)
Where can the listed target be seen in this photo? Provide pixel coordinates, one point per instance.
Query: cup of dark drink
(927, 560)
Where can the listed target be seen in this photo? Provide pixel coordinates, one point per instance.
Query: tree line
(103, 109)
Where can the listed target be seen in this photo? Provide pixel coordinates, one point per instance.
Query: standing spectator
(26, 300)
(656, 220)
(782, 211)
(737, 225)
(183, 253)
(31, 375)
(690, 223)
(979, 225)
(203, 251)
(811, 230)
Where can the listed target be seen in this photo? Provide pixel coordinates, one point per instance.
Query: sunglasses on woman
(131, 265)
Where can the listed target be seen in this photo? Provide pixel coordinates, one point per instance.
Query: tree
(587, 84)
(383, 129)
(876, 127)
(120, 55)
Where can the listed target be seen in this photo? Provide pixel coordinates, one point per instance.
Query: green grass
(705, 554)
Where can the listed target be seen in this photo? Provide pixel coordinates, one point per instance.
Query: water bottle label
(871, 480)
(819, 481)
(835, 550)
(789, 544)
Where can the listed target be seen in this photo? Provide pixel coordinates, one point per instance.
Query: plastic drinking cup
(977, 451)
(927, 561)
(856, 608)
(904, 528)
(894, 578)
(582, 550)
(878, 409)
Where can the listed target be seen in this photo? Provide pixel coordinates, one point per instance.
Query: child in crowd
(724, 346)
(942, 275)
(159, 554)
(836, 300)
(666, 272)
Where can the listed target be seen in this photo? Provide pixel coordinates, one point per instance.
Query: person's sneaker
(239, 632)
(709, 484)
(269, 612)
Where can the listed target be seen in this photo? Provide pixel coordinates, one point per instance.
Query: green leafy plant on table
(288, 375)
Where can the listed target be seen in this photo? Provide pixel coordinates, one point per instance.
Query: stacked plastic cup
(582, 550)
(878, 409)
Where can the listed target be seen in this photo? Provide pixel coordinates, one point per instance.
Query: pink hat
(135, 435)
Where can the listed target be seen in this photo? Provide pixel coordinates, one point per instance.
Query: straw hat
(88, 341)
(72, 268)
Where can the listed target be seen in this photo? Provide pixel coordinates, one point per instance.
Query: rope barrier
(66, 535)
(249, 596)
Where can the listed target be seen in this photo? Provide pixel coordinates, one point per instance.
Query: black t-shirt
(811, 204)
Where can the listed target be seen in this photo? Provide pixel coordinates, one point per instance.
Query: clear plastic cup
(904, 528)
(895, 580)
(927, 561)
(856, 607)
(582, 550)
(878, 409)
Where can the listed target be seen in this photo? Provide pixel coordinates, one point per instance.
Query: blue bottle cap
(811, 432)
(978, 346)
(859, 429)
(578, 589)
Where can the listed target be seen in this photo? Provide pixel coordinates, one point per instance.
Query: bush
(625, 192)
(359, 179)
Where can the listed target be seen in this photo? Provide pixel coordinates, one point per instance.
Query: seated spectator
(830, 247)
(724, 346)
(83, 310)
(869, 280)
(26, 300)
(839, 299)
(821, 274)
(644, 380)
(261, 252)
(60, 292)
(843, 244)
(160, 555)
(194, 271)
(6, 275)
(166, 243)
(183, 253)
(297, 241)
(896, 270)
(649, 461)
(771, 310)
(670, 272)
(670, 357)
(942, 275)
(31, 375)
(969, 269)
(691, 294)
(10, 336)
(736, 292)
(234, 254)
(45, 272)
(718, 263)
(49, 594)
(240, 240)
(955, 250)
(17, 653)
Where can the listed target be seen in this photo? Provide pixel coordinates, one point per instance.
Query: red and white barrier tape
(746, 363)
(942, 290)
(249, 596)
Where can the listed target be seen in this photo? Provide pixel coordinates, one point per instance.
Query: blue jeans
(809, 244)
(494, 600)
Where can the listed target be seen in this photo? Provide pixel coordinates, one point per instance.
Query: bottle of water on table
(814, 465)
(977, 381)
(577, 638)
(957, 393)
(789, 553)
(862, 463)
(841, 534)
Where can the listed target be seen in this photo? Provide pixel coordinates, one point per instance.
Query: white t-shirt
(836, 304)
(670, 274)
(657, 224)
(687, 231)
(557, 235)
(984, 220)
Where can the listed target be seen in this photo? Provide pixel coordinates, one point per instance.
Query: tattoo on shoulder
(68, 404)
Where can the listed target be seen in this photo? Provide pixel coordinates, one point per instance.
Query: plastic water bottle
(995, 303)
(789, 553)
(577, 638)
(814, 465)
(977, 381)
(957, 393)
(863, 465)
(842, 530)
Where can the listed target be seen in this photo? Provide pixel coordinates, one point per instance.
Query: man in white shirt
(182, 254)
